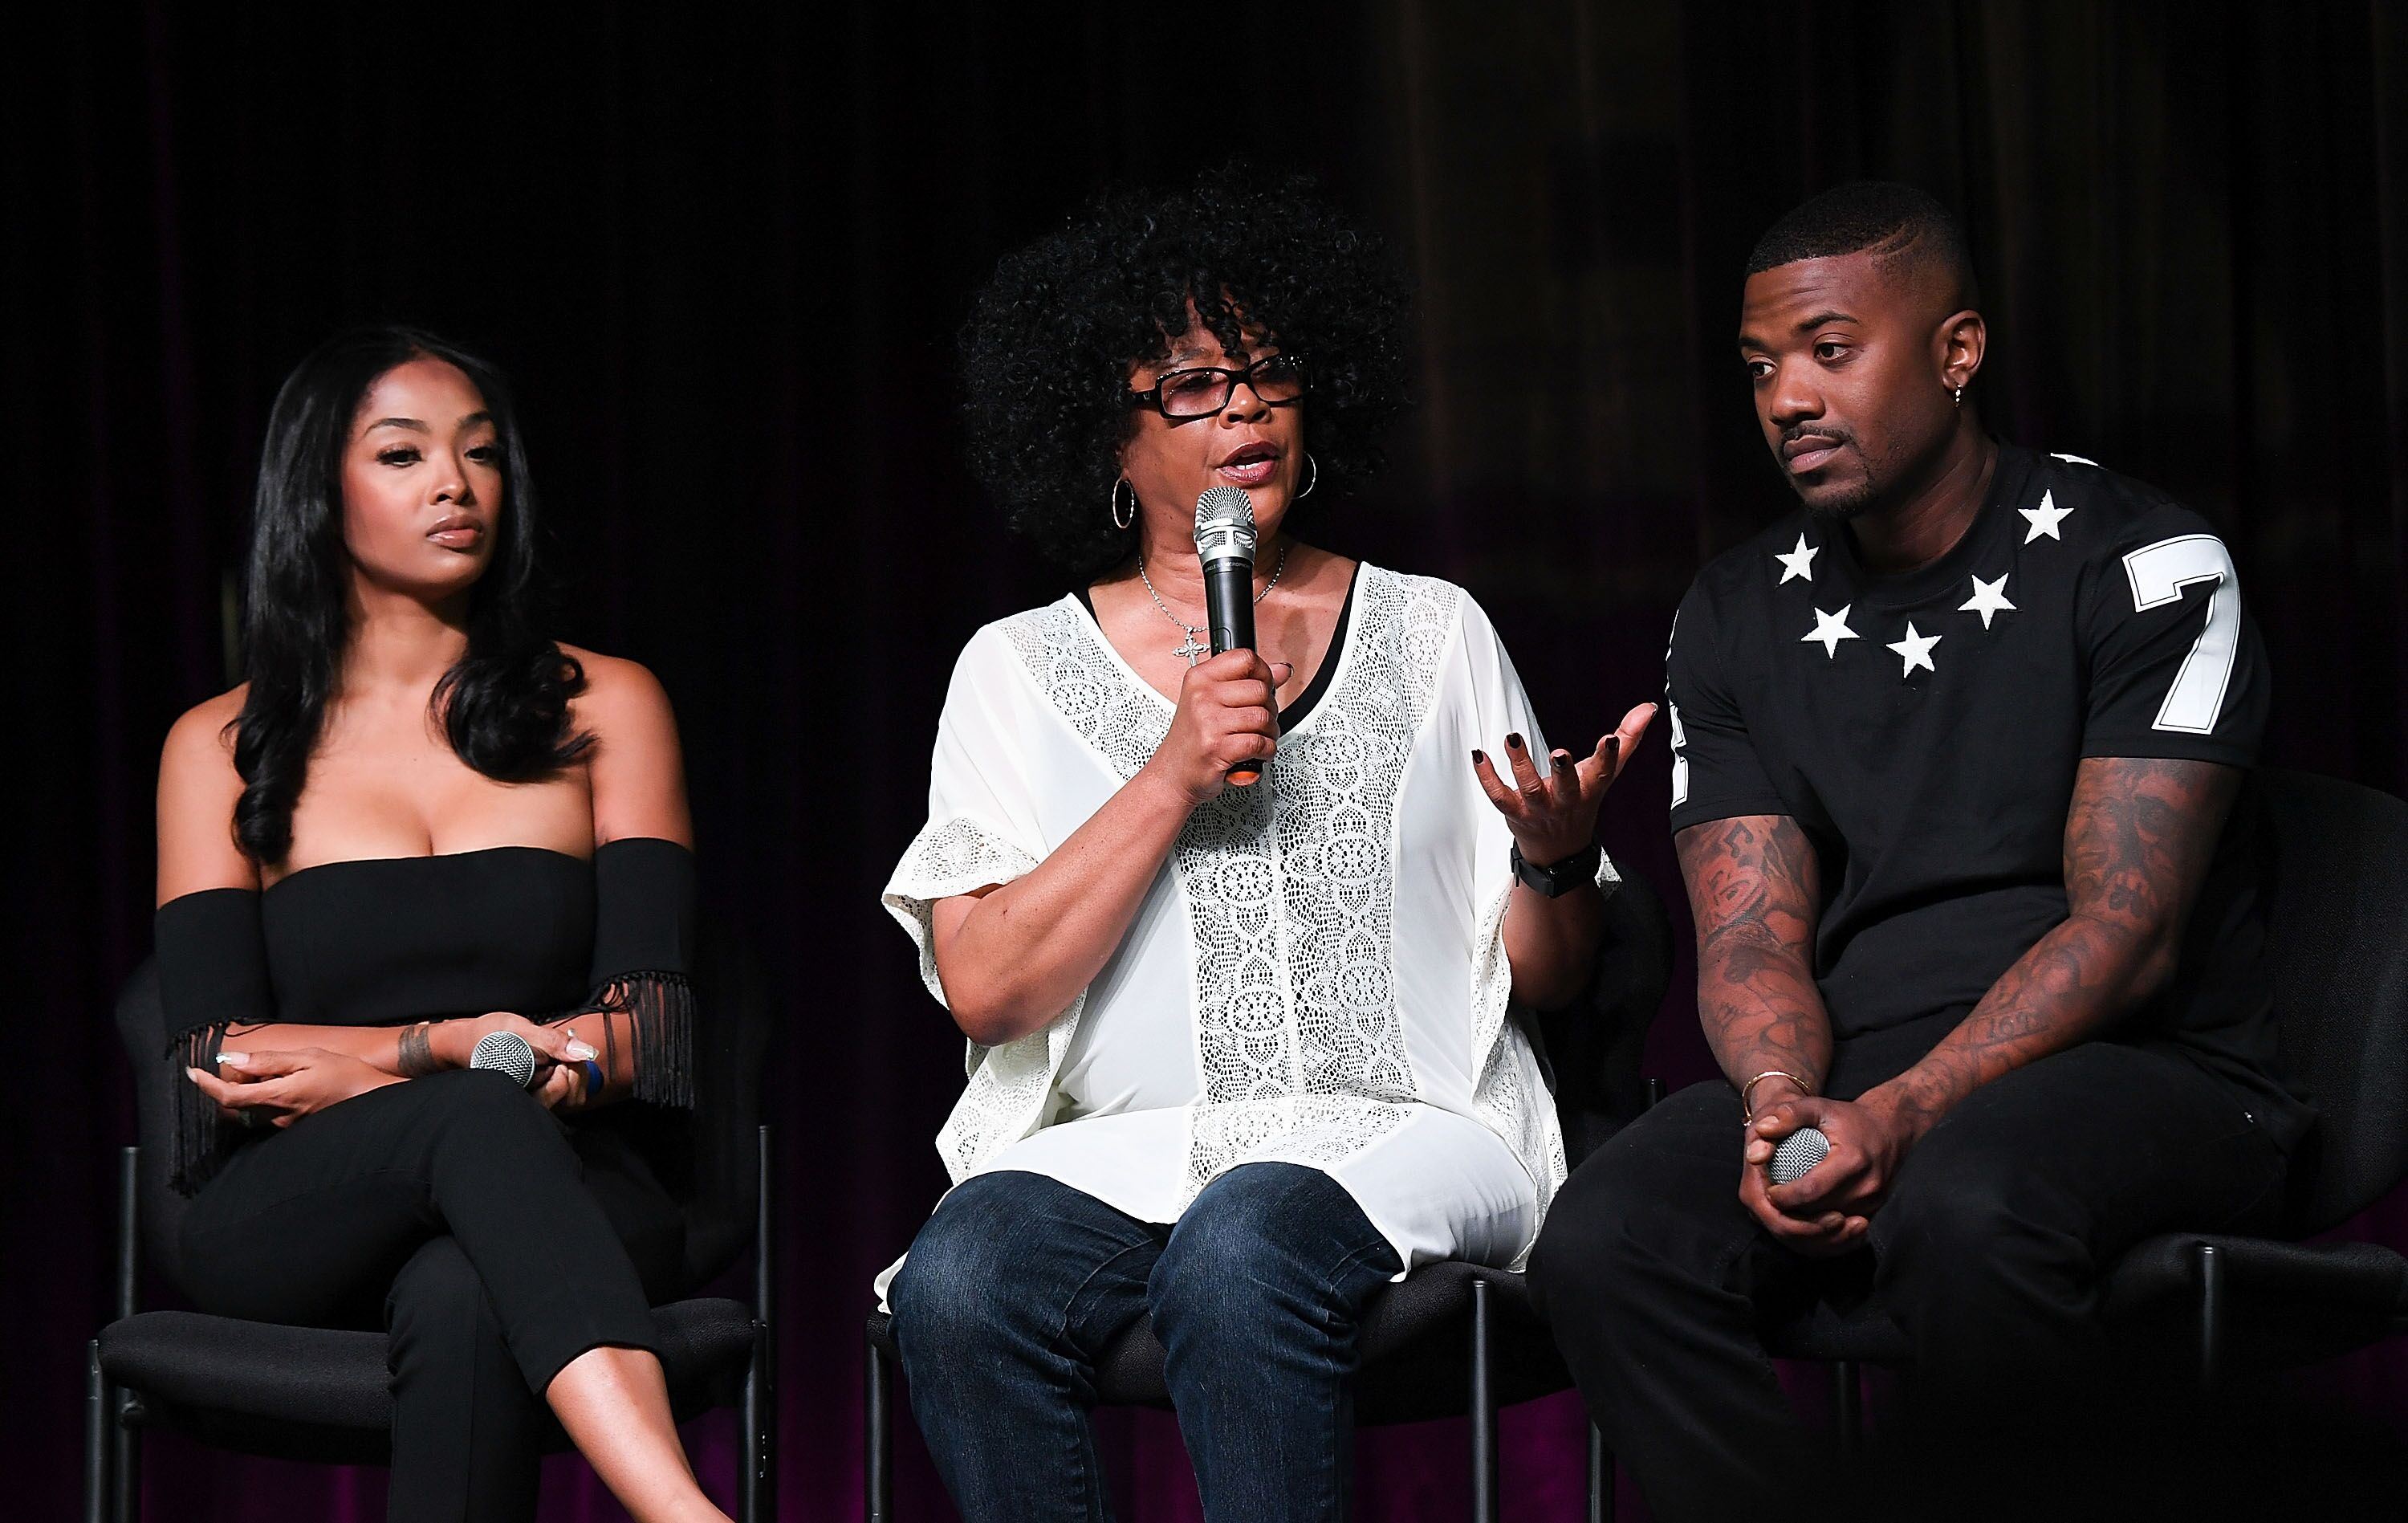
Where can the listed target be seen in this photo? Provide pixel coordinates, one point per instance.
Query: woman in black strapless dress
(418, 823)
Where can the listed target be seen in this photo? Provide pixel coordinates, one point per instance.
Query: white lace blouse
(1318, 974)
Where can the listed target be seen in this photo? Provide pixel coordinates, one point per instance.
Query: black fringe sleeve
(212, 974)
(644, 958)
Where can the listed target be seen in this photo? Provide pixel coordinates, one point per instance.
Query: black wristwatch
(1563, 877)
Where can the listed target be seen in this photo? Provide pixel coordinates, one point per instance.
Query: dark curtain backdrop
(723, 252)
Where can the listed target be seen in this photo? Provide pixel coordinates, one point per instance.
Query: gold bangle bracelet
(1747, 1090)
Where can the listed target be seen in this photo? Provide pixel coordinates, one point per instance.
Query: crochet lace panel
(1290, 895)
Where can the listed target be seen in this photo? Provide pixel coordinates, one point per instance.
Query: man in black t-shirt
(1955, 752)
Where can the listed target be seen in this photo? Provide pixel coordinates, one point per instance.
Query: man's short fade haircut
(1890, 219)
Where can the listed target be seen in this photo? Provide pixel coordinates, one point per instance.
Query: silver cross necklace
(1189, 647)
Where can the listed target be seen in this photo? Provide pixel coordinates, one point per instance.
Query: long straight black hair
(504, 704)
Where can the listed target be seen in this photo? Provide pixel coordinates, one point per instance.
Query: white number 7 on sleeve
(2159, 574)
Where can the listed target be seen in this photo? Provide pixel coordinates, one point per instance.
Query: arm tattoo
(2139, 837)
(1754, 888)
(415, 1051)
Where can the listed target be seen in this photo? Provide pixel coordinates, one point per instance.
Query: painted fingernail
(1477, 757)
(241, 1060)
(195, 1073)
(1514, 741)
(582, 1051)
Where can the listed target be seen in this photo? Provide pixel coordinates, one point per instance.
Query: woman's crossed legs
(506, 1277)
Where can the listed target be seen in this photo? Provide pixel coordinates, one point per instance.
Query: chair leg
(876, 1439)
(1600, 1478)
(757, 1497)
(2210, 1317)
(1483, 1407)
(129, 1230)
(752, 1504)
(125, 1443)
(125, 1464)
(1847, 1399)
(95, 1438)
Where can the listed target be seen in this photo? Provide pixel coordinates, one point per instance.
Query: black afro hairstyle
(1892, 220)
(1047, 353)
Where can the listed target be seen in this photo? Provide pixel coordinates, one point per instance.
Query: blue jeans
(1018, 1283)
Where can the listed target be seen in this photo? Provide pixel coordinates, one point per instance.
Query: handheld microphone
(506, 1053)
(1225, 543)
(1799, 1152)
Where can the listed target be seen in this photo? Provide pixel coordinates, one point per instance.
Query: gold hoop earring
(1122, 521)
(1311, 479)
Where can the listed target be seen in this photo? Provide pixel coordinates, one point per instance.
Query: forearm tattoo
(416, 1050)
(2139, 837)
(1753, 889)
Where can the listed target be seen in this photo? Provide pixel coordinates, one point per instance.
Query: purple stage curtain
(722, 253)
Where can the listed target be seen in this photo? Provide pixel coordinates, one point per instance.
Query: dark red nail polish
(1514, 741)
(1477, 757)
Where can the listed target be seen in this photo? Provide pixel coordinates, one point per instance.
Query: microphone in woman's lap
(506, 1053)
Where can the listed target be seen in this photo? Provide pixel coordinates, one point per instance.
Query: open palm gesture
(1554, 816)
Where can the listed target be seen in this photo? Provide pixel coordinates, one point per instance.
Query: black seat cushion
(320, 1393)
(2290, 1303)
(1414, 1342)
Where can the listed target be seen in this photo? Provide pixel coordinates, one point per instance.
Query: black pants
(1986, 1252)
(492, 1241)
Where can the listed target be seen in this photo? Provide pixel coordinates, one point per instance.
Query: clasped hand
(279, 1086)
(560, 1080)
(1228, 713)
(1829, 1210)
(454, 1042)
(1554, 816)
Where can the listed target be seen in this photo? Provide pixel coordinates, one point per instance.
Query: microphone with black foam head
(1225, 543)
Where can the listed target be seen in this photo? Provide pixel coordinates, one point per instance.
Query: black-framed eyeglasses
(1184, 394)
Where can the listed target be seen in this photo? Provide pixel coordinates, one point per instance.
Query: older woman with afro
(1239, 1054)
